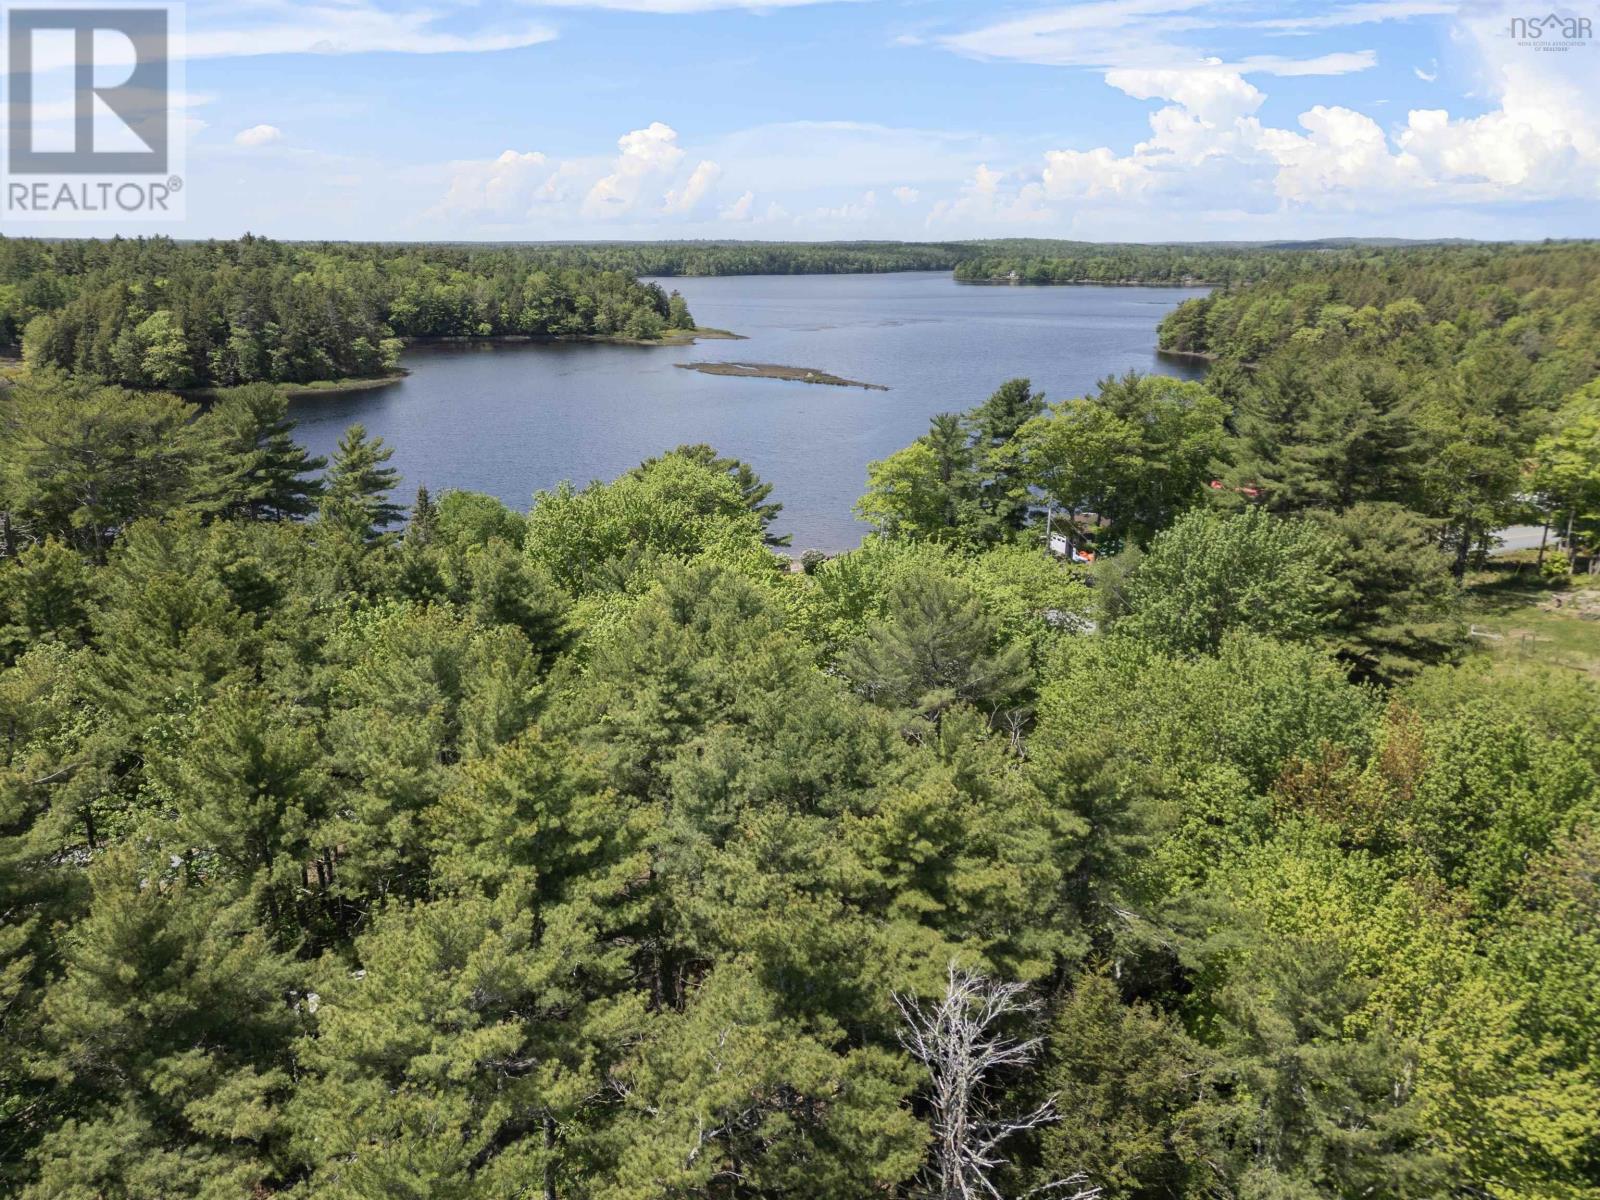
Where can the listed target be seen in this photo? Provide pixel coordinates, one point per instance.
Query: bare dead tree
(960, 1039)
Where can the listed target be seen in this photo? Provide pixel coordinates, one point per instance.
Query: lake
(511, 419)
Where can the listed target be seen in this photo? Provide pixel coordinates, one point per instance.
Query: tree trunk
(549, 1158)
(1463, 548)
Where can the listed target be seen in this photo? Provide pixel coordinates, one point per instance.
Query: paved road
(1519, 537)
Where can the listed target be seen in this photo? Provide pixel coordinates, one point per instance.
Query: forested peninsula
(155, 313)
(362, 846)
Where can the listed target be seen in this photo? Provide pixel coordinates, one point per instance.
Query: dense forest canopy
(591, 853)
(164, 314)
(1458, 383)
(155, 313)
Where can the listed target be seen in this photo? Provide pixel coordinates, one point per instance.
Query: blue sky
(918, 119)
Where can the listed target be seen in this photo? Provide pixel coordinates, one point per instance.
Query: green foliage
(1423, 377)
(359, 483)
(155, 313)
(908, 494)
(1567, 462)
(1300, 1107)
(251, 465)
(755, 491)
(733, 1080)
(1511, 1077)
(1208, 575)
(1398, 603)
(675, 507)
(169, 1030)
(248, 787)
(963, 483)
(1135, 455)
(1127, 1074)
(582, 853)
(937, 648)
(471, 519)
(45, 597)
(81, 461)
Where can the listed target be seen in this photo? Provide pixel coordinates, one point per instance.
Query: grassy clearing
(688, 337)
(1523, 619)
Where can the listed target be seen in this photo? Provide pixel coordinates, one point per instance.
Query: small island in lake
(774, 371)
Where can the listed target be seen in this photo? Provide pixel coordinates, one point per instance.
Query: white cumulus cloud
(258, 135)
(741, 209)
(687, 198)
(503, 188)
(646, 154)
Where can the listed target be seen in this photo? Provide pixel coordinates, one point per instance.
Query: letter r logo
(125, 91)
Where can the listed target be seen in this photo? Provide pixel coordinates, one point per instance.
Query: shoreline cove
(511, 419)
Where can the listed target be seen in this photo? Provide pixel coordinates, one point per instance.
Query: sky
(1138, 120)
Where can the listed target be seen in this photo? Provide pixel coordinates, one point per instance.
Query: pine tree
(1400, 605)
(47, 596)
(468, 1055)
(252, 466)
(82, 462)
(936, 648)
(1128, 1076)
(999, 463)
(1298, 1104)
(38, 898)
(1012, 406)
(504, 588)
(424, 523)
(169, 1037)
(735, 1095)
(248, 787)
(358, 487)
(169, 634)
(420, 564)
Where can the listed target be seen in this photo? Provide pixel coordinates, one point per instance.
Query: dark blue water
(511, 419)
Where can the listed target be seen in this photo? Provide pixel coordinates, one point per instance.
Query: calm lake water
(511, 419)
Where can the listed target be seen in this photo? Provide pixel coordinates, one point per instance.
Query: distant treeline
(1022, 260)
(752, 258)
(1043, 261)
(1085, 262)
(159, 313)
